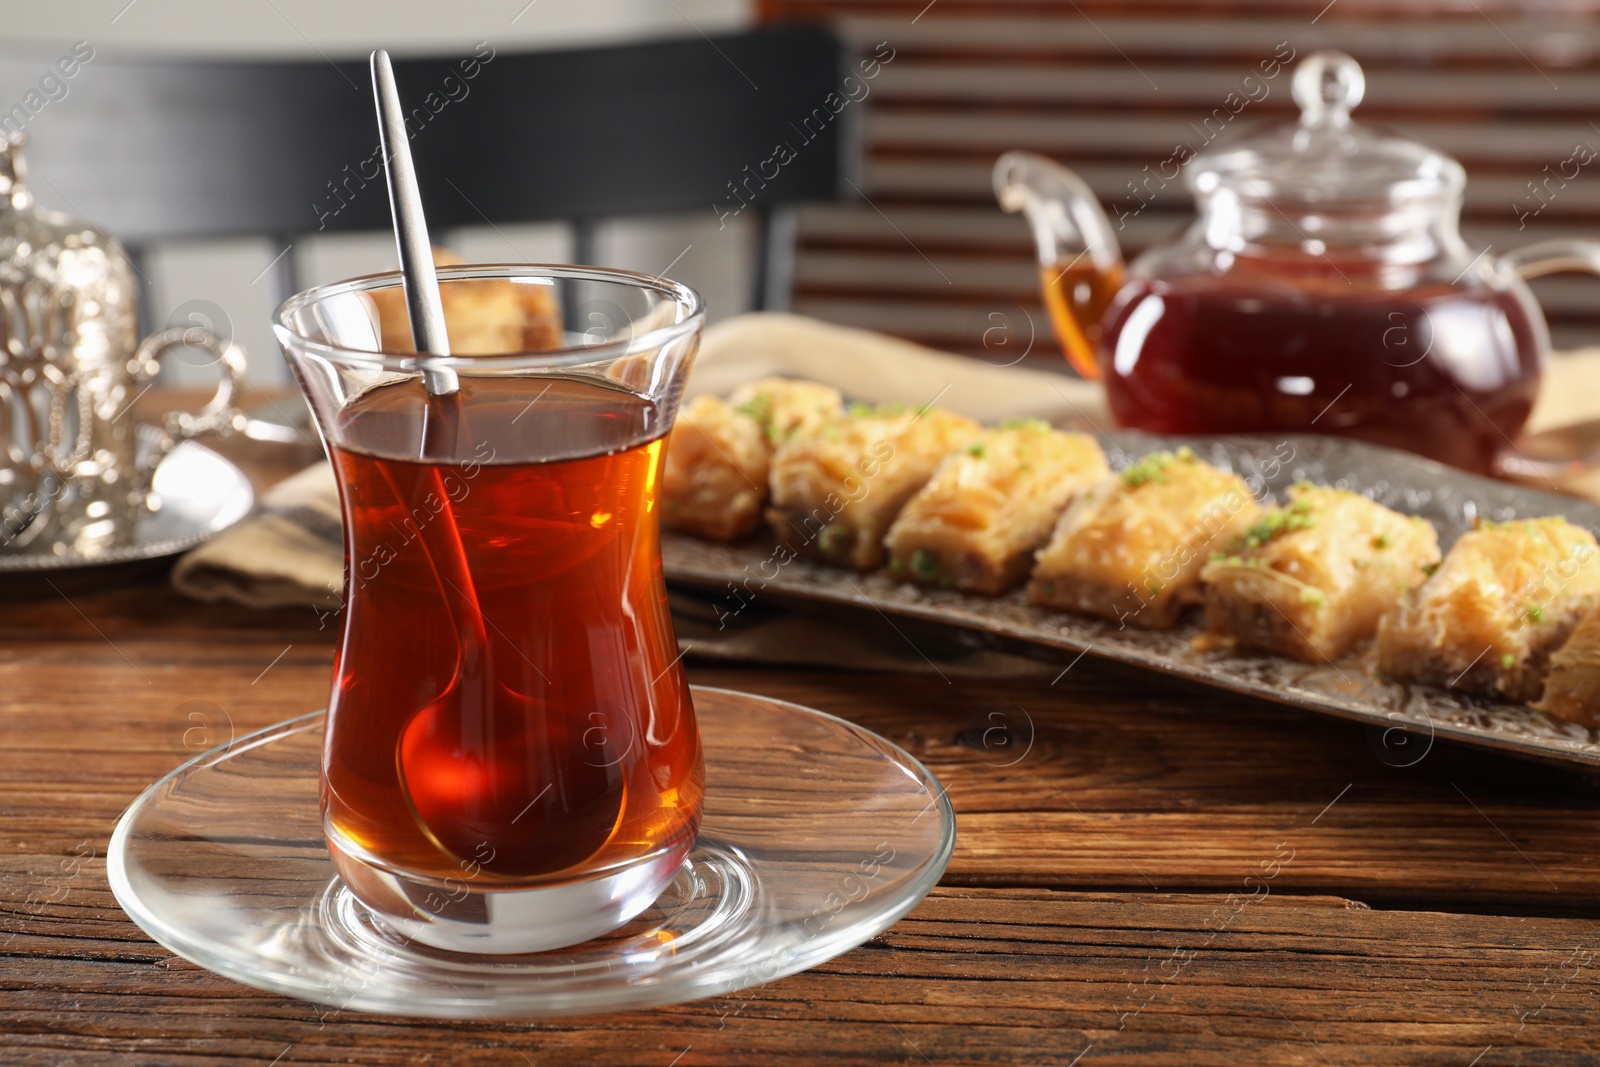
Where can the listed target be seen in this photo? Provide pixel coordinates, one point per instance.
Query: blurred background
(907, 238)
(195, 281)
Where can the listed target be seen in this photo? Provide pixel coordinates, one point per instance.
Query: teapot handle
(1563, 452)
(1553, 257)
(1068, 226)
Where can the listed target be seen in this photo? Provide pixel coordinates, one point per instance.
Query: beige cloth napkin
(874, 368)
(290, 552)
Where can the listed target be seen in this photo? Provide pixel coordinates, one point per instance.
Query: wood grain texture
(971, 977)
(1146, 873)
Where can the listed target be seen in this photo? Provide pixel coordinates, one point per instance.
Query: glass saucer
(817, 835)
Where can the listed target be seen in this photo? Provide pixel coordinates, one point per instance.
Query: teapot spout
(1068, 223)
(1080, 264)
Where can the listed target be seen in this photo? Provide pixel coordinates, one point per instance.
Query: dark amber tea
(1447, 374)
(508, 708)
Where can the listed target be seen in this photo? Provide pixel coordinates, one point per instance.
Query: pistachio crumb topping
(1273, 524)
(758, 407)
(861, 410)
(1035, 425)
(1153, 468)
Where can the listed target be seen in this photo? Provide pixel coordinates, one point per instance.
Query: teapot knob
(1327, 85)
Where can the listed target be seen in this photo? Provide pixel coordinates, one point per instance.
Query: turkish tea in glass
(511, 760)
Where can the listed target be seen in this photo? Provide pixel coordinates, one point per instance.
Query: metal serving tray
(1351, 688)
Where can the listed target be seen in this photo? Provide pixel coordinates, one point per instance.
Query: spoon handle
(411, 229)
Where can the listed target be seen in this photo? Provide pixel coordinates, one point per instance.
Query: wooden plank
(1152, 84)
(867, 272)
(1396, 11)
(1110, 786)
(1186, 786)
(923, 176)
(970, 977)
(1011, 30)
(963, 229)
(966, 226)
(1523, 147)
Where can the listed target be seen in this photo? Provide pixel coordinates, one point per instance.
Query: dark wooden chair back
(155, 151)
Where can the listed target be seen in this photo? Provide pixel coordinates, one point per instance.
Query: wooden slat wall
(1109, 86)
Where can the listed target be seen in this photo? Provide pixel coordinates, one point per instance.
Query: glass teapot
(1324, 287)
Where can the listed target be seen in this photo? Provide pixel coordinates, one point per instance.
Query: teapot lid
(1324, 159)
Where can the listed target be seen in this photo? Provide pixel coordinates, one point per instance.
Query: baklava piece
(1311, 579)
(1132, 547)
(1505, 597)
(715, 482)
(1572, 689)
(484, 316)
(990, 505)
(784, 407)
(836, 489)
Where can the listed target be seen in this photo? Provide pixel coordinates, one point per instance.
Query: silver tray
(201, 495)
(1351, 688)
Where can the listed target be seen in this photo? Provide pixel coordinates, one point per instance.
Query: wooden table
(1168, 876)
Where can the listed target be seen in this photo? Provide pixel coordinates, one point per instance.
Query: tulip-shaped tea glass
(511, 761)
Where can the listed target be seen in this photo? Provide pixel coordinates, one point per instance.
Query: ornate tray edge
(1055, 637)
